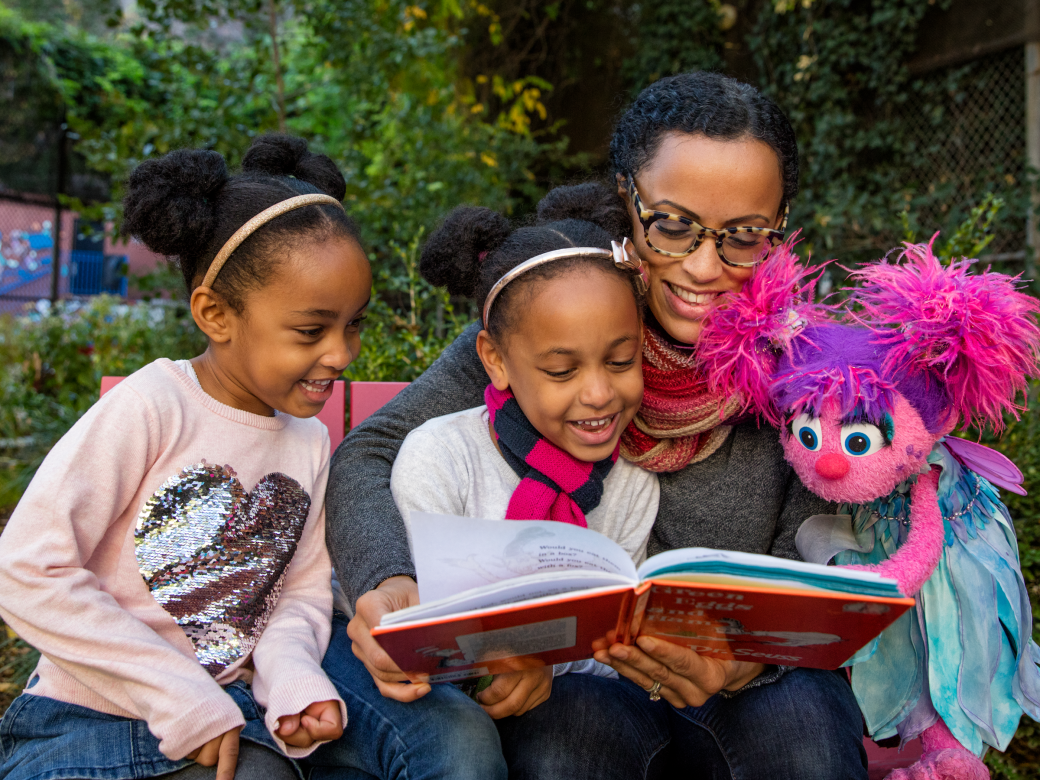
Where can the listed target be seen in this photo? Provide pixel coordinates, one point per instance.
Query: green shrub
(52, 362)
(409, 323)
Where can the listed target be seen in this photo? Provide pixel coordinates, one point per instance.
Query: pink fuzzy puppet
(865, 407)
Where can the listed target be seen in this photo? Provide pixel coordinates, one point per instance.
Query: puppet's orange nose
(833, 465)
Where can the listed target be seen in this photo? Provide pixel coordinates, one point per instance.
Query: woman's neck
(650, 321)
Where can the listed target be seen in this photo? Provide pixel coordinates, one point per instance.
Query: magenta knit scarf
(554, 485)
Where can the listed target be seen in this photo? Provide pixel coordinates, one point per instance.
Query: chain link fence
(966, 137)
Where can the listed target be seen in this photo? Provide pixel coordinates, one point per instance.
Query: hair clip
(623, 258)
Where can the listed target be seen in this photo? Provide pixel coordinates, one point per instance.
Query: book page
(700, 560)
(456, 554)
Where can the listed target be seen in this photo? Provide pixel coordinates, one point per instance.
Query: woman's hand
(687, 679)
(514, 693)
(391, 595)
(319, 722)
(222, 751)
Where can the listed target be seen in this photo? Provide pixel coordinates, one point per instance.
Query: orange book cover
(505, 639)
(770, 625)
(502, 595)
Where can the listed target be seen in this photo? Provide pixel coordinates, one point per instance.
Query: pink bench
(369, 397)
(881, 760)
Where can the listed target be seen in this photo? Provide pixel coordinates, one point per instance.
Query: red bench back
(368, 397)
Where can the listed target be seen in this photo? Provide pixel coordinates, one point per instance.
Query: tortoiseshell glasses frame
(743, 253)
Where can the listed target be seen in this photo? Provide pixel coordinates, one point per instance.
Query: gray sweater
(743, 497)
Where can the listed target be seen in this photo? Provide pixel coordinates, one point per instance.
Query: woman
(705, 169)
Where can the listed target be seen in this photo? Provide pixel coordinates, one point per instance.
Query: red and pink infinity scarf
(680, 420)
(554, 485)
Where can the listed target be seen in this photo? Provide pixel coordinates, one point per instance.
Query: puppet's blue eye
(807, 430)
(861, 439)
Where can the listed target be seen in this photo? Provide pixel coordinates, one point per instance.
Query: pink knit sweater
(149, 561)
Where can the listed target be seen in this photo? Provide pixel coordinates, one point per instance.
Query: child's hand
(222, 751)
(319, 722)
(393, 594)
(514, 693)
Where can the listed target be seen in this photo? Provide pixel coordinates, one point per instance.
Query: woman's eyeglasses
(674, 235)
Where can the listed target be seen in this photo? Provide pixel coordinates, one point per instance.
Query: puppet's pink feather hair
(745, 333)
(977, 331)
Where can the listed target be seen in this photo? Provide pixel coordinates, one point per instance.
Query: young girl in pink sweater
(168, 559)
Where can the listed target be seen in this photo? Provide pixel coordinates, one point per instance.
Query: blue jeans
(806, 725)
(445, 734)
(47, 739)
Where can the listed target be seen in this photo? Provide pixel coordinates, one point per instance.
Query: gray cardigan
(743, 497)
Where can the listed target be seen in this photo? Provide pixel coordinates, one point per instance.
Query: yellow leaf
(488, 159)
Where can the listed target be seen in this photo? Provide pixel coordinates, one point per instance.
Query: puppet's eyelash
(885, 424)
(888, 428)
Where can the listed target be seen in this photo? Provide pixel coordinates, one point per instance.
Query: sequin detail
(214, 556)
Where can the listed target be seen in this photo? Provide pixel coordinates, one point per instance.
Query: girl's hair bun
(170, 201)
(592, 202)
(285, 155)
(454, 251)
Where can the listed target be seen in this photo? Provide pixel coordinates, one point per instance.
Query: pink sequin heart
(214, 556)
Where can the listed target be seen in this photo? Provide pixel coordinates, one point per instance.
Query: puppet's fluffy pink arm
(915, 561)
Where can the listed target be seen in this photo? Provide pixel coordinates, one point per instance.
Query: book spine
(633, 610)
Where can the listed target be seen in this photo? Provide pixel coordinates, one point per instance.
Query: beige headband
(249, 227)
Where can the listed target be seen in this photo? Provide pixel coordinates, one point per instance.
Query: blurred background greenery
(909, 117)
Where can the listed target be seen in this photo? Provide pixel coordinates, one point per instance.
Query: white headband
(619, 252)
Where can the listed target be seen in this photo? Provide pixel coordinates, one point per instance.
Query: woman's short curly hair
(703, 103)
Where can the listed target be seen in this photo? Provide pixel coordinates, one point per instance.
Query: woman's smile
(688, 303)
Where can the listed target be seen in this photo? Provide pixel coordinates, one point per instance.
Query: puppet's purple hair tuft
(836, 363)
(746, 332)
(976, 332)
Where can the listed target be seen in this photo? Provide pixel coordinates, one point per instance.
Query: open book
(502, 595)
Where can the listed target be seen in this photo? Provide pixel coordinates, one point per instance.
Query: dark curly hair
(474, 247)
(708, 104)
(186, 205)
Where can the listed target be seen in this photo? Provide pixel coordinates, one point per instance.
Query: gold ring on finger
(655, 691)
